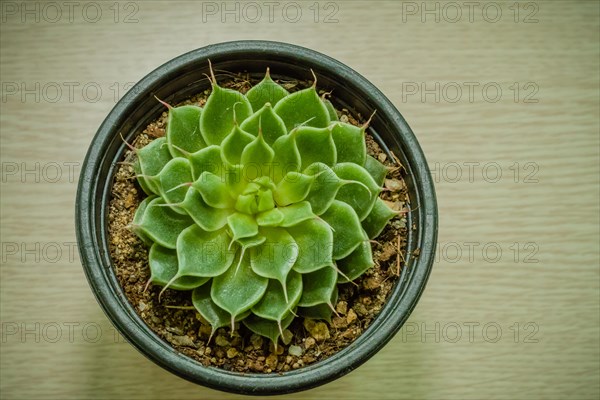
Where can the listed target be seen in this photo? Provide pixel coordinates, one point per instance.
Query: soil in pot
(305, 341)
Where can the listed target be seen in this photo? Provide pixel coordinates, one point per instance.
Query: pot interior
(184, 77)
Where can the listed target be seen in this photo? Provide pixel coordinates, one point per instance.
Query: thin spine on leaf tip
(164, 103)
(129, 145)
(240, 194)
(212, 78)
(325, 95)
(368, 122)
(314, 85)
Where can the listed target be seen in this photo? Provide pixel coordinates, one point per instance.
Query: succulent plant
(261, 204)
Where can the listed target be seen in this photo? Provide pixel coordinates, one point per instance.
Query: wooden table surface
(503, 97)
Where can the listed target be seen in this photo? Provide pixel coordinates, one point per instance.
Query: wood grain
(544, 297)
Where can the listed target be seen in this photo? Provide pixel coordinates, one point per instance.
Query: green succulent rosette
(261, 204)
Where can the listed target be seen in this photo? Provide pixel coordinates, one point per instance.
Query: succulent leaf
(274, 305)
(347, 231)
(331, 110)
(238, 289)
(377, 170)
(266, 121)
(172, 180)
(150, 161)
(377, 218)
(360, 197)
(254, 241)
(206, 160)
(205, 216)
(286, 157)
(293, 188)
(164, 266)
(213, 190)
(215, 315)
(266, 91)
(223, 109)
(163, 225)
(325, 187)
(234, 144)
(203, 253)
(318, 287)
(273, 217)
(256, 158)
(261, 204)
(267, 328)
(314, 238)
(303, 108)
(137, 220)
(353, 266)
(296, 213)
(319, 311)
(315, 145)
(349, 143)
(276, 257)
(235, 179)
(242, 225)
(183, 130)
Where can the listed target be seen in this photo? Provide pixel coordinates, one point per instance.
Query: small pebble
(232, 352)
(275, 350)
(339, 322)
(394, 205)
(237, 341)
(393, 184)
(309, 342)
(295, 351)
(256, 366)
(360, 309)
(351, 317)
(372, 283)
(222, 341)
(317, 330)
(287, 336)
(204, 331)
(342, 307)
(183, 341)
(256, 341)
(271, 361)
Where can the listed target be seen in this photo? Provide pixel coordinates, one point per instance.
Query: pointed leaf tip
(217, 118)
(266, 91)
(163, 103)
(302, 106)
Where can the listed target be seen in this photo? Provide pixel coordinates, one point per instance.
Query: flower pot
(177, 80)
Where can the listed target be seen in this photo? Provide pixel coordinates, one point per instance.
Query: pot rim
(98, 269)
